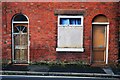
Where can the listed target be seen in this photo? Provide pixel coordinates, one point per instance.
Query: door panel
(20, 45)
(99, 56)
(99, 43)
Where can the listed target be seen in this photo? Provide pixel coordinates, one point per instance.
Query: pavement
(29, 77)
(68, 70)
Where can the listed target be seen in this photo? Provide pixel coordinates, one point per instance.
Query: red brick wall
(43, 28)
(119, 27)
(0, 31)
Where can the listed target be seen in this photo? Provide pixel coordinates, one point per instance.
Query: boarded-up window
(70, 33)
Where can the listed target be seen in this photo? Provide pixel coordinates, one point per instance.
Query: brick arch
(98, 12)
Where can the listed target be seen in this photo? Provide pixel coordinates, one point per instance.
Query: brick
(43, 28)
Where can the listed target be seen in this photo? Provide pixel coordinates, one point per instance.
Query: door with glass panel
(20, 37)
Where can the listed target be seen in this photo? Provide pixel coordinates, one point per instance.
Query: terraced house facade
(60, 31)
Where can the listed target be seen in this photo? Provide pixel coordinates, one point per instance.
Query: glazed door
(20, 37)
(99, 44)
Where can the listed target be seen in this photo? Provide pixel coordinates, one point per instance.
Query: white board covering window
(70, 33)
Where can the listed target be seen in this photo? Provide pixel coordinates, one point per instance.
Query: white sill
(70, 49)
(70, 25)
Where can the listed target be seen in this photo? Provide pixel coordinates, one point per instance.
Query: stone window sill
(70, 49)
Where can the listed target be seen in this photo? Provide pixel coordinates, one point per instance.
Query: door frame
(27, 22)
(107, 40)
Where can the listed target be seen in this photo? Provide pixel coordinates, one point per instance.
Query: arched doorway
(100, 31)
(20, 39)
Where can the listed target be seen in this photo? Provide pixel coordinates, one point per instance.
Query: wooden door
(20, 44)
(99, 44)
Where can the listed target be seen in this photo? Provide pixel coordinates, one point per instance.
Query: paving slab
(108, 70)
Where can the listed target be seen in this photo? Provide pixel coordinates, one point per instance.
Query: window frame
(70, 49)
(70, 16)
